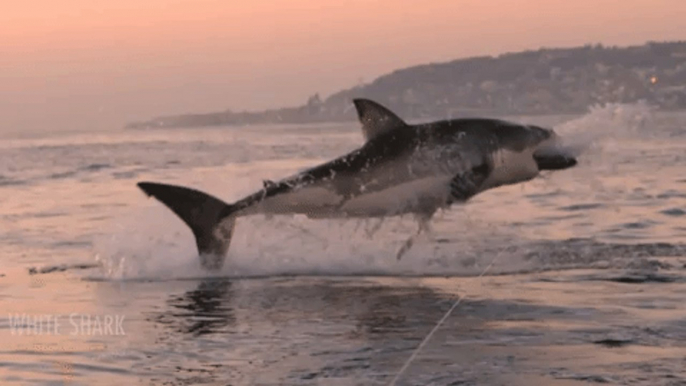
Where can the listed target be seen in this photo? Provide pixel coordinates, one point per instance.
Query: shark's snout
(551, 154)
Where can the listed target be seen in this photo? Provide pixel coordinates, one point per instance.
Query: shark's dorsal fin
(376, 119)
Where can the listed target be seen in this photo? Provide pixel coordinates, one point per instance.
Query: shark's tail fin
(208, 217)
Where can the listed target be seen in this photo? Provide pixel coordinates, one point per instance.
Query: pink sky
(80, 64)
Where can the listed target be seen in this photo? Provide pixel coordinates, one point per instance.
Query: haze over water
(86, 65)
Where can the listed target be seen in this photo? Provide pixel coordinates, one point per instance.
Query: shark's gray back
(407, 169)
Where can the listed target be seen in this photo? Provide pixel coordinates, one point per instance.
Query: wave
(7, 181)
(61, 268)
(81, 169)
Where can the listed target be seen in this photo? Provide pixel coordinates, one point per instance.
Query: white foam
(154, 244)
(604, 124)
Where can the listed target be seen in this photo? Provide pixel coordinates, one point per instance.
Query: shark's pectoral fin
(376, 119)
(465, 185)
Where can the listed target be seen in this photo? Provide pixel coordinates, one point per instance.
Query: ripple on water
(674, 212)
(61, 175)
(589, 206)
(640, 278)
(127, 174)
(7, 181)
(644, 224)
(614, 342)
(95, 167)
(671, 193)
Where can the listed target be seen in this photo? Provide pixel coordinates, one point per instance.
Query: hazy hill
(531, 82)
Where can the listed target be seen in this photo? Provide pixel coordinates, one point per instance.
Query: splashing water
(604, 124)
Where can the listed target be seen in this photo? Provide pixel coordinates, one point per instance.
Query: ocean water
(576, 277)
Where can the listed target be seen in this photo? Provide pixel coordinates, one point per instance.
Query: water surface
(585, 269)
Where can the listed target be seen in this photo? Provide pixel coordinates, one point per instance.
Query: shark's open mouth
(546, 161)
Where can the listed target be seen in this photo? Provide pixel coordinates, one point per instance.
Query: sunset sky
(97, 64)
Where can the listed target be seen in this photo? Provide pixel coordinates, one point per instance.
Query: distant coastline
(545, 81)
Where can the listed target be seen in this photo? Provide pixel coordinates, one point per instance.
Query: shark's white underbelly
(419, 195)
(510, 167)
(299, 201)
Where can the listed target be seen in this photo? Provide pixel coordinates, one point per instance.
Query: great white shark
(401, 169)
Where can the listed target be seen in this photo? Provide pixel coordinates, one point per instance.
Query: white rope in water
(436, 327)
